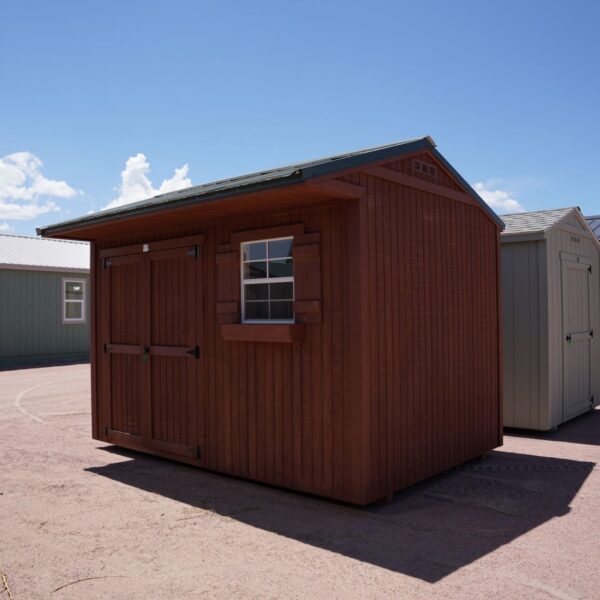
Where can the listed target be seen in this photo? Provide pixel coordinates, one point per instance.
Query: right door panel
(577, 336)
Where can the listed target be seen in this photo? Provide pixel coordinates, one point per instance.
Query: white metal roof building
(43, 301)
(551, 309)
(38, 254)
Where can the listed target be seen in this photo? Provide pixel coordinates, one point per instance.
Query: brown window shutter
(228, 283)
(307, 278)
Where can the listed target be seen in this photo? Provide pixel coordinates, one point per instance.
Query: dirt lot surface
(80, 519)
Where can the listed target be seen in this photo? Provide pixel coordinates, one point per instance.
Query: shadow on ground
(584, 429)
(427, 531)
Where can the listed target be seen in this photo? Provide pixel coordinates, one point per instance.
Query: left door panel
(123, 378)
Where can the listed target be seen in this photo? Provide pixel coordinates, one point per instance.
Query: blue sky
(510, 91)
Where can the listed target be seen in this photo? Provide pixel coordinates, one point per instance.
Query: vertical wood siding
(406, 166)
(280, 413)
(433, 337)
(397, 381)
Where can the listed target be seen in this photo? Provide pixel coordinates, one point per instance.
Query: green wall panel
(31, 327)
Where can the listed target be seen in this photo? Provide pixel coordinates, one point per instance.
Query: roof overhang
(304, 184)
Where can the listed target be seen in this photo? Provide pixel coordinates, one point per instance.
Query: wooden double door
(150, 320)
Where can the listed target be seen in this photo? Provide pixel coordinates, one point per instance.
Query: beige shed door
(577, 334)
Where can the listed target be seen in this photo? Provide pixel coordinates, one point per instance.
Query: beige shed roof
(534, 222)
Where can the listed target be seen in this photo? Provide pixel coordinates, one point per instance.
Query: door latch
(195, 352)
(146, 354)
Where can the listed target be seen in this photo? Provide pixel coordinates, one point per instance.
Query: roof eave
(526, 236)
(298, 175)
(17, 267)
(133, 211)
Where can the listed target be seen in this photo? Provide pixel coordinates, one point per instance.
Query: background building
(44, 290)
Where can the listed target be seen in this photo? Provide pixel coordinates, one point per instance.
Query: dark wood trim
(307, 252)
(188, 240)
(500, 334)
(129, 440)
(225, 258)
(104, 366)
(268, 232)
(182, 351)
(174, 448)
(420, 184)
(338, 188)
(94, 340)
(258, 332)
(124, 349)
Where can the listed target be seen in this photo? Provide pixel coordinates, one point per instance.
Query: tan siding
(522, 322)
(533, 324)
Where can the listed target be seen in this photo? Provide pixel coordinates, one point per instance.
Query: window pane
(257, 310)
(255, 270)
(257, 291)
(73, 310)
(280, 248)
(73, 290)
(282, 291)
(281, 310)
(281, 268)
(255, 251)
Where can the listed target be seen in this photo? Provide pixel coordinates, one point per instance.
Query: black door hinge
(195, 352)
(590, 268)
(195, 252)
(106, 431)
(198, 452)
(591, 333)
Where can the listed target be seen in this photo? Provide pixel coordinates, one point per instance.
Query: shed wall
(525, 325)
(286, 414)
(31, 327)
(433, 332)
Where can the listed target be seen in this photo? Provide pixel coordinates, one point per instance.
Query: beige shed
(551, 309)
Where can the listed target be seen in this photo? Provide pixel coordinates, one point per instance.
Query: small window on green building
(73, 293)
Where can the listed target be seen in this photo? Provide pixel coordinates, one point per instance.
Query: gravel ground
(81, 519)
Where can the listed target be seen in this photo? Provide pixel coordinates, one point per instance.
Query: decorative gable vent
(424, 168)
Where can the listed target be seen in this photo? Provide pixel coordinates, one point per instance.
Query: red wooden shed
(330, 327)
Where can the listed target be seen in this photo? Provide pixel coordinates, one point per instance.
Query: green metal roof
(253, 182)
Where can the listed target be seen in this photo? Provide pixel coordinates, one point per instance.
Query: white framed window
(267, 276)
(73, 300)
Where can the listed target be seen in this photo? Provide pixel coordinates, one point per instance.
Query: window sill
(283, 333)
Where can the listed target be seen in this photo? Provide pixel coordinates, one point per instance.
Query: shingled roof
(534, 222)
(262, 180)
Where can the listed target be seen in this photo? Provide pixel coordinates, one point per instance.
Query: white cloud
(500, 200)
(135, 184)
(4, 227)
(22, 187)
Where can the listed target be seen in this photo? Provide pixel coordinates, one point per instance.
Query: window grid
(66, 302)
(268, 280)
